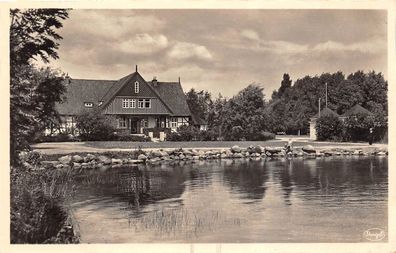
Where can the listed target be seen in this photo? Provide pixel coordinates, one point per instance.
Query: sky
(222, 51)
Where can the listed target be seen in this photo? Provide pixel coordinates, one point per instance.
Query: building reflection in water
(137, 185)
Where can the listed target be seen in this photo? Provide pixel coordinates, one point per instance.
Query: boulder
(104, 159)
(381, 153)
(196, 157)
(90, 157)
(308, 149)
(59, 166)
(181, 156)
(142, 157)
(116, 161)
(236, 149)
(237, 155)
(65, 159)
(49, 164)
(76, 165)
(77, 159)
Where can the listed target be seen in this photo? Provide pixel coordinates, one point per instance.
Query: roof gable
(356, 109)
(173, 95)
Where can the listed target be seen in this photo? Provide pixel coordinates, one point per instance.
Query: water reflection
(247, 178)
(236, 200)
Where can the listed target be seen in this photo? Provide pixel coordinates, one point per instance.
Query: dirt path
(93, 147)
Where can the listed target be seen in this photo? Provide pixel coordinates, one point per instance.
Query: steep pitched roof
(173, 95)
(356, 109)
(80, 91)
(110, 93)
(326, 112)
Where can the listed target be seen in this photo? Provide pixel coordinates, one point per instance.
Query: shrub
(329, 127)
(94, 126)
(128, 137)
(62, 137)
(357, 127)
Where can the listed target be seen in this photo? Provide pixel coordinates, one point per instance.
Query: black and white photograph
(198, 125)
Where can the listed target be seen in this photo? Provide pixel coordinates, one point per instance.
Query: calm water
(299, 200)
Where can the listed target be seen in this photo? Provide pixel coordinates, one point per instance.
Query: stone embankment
(235, 152)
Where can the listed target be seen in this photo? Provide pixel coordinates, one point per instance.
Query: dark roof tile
(80, 91)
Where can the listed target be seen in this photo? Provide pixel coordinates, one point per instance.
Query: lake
(331, 199)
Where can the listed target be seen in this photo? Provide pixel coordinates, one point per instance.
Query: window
(173, 122)
(122, 122)
(140, 103)
(125, 103)
(132, 103)
(144, 122)
(136, 87)
(128, 103)
(147, 103)
(88, 104)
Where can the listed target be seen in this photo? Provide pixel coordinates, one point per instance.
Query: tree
(329, 127)
(285, 85)
(32, 92)
(243, 116)
(94, 126)
(199, 103)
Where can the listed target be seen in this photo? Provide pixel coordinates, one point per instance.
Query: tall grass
(167, 222)
(38, 199)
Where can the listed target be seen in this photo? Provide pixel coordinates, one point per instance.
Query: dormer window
(88, 104)
(136, 87)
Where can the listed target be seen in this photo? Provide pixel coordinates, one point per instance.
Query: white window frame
(173, 122)
(128, 103)
(122, 122)
(136, 87)
(125, 103)
(149, 101)
(140, 103)
(132, 103)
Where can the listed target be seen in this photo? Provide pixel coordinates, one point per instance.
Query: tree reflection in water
(247, 178)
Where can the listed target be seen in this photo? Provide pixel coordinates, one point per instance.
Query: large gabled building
(132, 103)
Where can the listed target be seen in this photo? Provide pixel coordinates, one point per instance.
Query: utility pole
(319, 108)
(326, 94)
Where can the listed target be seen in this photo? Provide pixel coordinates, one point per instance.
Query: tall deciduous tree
(32, 92)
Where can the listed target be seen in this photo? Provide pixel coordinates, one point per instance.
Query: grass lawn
(202, 144)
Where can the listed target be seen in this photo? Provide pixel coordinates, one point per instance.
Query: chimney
(136, 68)
(179, 79)
(155, 83)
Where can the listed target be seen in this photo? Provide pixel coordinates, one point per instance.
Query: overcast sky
(222, 50)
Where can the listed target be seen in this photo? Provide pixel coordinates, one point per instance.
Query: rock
(142, 157)
(236, 149)
(27, 165)
(66, 167)
(49, 164)
(90, 157)
(237, 155)
(84, 165)
(77, 159)
(104, 159)
(116, 161)
(196, 157)
(76, 165)
(308, 149)
(59, 166)
(136, 161)
(65, 159)
(358, 152)
(125, 161)
(381, 153)
(181, 156)
(156, 153)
